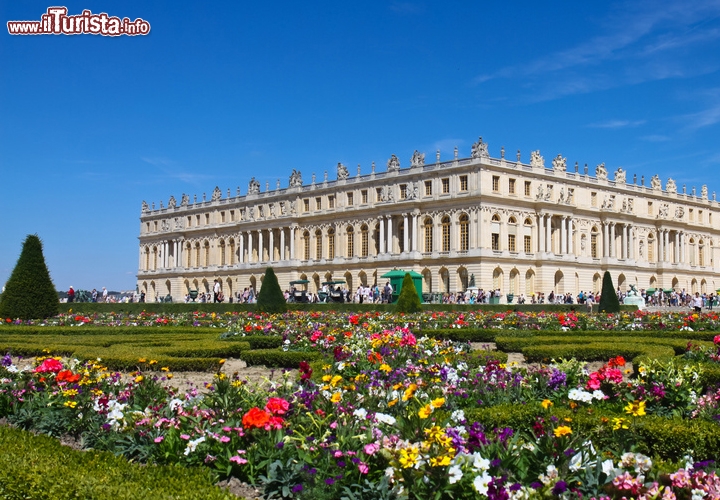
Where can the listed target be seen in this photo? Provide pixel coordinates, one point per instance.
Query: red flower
(277, 406)
(49, 365)
(305, 370)
(67, 376)
(255, 418)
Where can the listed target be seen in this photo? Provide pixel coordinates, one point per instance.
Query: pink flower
(363, 468)
(277, 406)
(159, 439)
(49, 365)
(184, 436)
(238, 460)
(371, 448)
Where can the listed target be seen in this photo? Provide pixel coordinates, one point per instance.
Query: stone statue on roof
(536, 160)
(480, 149)
(393, 164)
(620, 176)
(171, 202)
(601, 172)
(559, 164)
(418, 159)
(296, 179)
(342, 172)
(253, 186)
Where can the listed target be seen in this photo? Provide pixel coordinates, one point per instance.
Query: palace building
(523, 228)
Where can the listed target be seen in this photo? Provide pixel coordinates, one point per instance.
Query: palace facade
(518, 227)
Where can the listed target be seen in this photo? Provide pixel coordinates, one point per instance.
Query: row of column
(249, 235)
(545, 234)
(627, 241)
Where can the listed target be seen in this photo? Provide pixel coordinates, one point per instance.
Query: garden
(370, 404)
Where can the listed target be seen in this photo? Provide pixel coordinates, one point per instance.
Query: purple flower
(6, 360)
(557, 379)
(536, 485)
(297, 488)
(329, 481)
(559, 488)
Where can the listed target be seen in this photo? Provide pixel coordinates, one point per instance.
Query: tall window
(331, 243)
(527, 188)
(527, 244)
(378, 194)
(428, 226)
(446, 234)
(511, 186)
(511, 243)
(206, 262)
(318, 203)
(350, 242)
(306, 205)
(495, 241)
(463, 183)
(318, 245)
(496, 183)
(594, 243)
(464, 233)
(403, 191)
(331, 201)
(306, 245)
(364, 241)
(401, 239)
(197, 254)
(350, 199)
(188, 257)
(446, 185)
(428, 188)
(364, 196)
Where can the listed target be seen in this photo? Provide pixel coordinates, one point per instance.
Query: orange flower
(255, 418)
(67, 376)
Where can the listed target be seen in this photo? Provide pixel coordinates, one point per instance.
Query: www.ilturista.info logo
(56, 22)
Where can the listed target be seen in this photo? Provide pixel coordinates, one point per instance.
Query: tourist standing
(71, 295)
(697, 302)
(104, 295)
(216, 291)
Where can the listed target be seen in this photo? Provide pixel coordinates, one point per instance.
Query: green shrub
(276, 358)
(30, 293)
(408, 301)
(271, 298)
(609, 302)
(39, 467)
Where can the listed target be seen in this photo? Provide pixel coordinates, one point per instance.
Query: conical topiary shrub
(30, 293)
(608, 299)
(408, 301)
(271, 298)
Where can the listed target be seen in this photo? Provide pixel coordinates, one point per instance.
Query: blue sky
(219, 92)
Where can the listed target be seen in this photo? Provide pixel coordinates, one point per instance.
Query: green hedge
(40, 468)
(669, 439)
(277, 358)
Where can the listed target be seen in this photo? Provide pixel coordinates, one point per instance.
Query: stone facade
(522, 228)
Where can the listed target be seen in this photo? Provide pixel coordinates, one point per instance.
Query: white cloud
(617, 124)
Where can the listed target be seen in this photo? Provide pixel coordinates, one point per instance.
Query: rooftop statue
(559, 164)
(393, 164)
(418, 159)
(479, 149)
(601, 172)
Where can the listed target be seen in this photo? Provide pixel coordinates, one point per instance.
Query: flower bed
(393, 413)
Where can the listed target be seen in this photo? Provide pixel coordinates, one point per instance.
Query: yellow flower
(142, 360)
(139, 379)
(165, 369)
(437, 403)
(222, 361)
(393, 402)
(70, 404)
(385, 368)
(70, 393)
(635, 408)
(336, 380)
(441, 461)
(337, 397)
(220, 376)
(153, 361)
(425, 411)
(169, 375)
(546, 403)
(237, 383)
(326, 378)
(619, 423)
(563, 430)
(408, 457)
(409, 392)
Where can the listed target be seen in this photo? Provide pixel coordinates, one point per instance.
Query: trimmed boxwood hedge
(277, 358)
(39, 467)
(669, 439)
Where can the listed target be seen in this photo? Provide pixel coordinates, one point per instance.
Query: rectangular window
(331, 246)
(593, 199)
(650, 208)
(364, 243)
(700, 216)
(318, 203)
(147, 226)
(378, 194)
(306, 205)
(463, 183)
(222, 217)
(527, 243)
(403, 191)
(511, 243)
(189, 222)
(350, 199)
(197, 220)
(446, 185)
(331, 201)
(232, 215)
(318, 245)
(428, 188)
(527, 188)
(511, 186)
(495, 241)
(446, 237)
(364, 196)
(496, 183)
(306, 250)
(593, 246)
(428, 238)
(207, 219)
(691, 215)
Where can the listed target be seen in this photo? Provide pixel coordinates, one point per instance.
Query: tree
(30, 293)
(608, 299)
(408, 301)
(271, 298)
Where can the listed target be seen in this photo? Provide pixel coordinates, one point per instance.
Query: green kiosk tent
(396, 277)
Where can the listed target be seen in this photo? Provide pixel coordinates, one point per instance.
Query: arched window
(197, 254)
(528, 222)
(446, 234)
(364, 241)
(318, 245)
(331, 243)
(188, 255)
(306, 245)
(512, 220)
(222, 252)
(464, 233)
(206, 260)
(350, 242)
(428, 226)
(496, 218)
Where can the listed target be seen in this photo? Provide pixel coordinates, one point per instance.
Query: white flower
(192, 444)
(455, 474)
(384, 418)
(360, 413)
(481, 483)
(598, 394)
(608, 468)
(457, 416)
(479, 462)
(698, 494)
